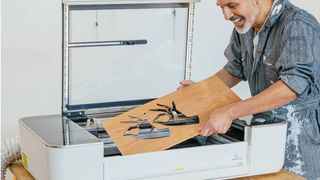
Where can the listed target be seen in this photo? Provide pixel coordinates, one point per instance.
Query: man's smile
(237, 21)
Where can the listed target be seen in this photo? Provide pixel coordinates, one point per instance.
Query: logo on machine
(236, 158)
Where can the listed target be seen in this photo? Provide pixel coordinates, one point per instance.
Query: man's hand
(218, 122)
(185, 83)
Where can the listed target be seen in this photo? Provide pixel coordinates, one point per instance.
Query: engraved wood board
(198, 99)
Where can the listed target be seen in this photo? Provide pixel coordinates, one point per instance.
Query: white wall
(31, 55)
(312, 6)
(30, 60)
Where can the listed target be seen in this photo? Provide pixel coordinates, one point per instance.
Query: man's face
(242, 13)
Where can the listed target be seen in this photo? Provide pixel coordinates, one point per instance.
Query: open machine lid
(125, 53)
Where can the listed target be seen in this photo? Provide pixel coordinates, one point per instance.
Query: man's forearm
(273, 97)
(228, 78)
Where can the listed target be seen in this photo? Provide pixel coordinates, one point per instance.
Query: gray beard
(247, 26)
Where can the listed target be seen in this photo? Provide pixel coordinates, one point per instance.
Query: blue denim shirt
(289, 50)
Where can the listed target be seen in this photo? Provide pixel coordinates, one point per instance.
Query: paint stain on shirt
(292, 148)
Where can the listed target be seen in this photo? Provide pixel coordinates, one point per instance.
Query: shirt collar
(276, 11)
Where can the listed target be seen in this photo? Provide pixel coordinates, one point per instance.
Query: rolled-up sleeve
(233, 54)
(298, 56)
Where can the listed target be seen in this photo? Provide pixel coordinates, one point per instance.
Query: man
(275, 47)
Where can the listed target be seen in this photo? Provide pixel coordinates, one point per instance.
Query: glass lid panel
(149, 69)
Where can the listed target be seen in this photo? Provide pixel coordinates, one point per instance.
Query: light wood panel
(19, 172)
(198, 99)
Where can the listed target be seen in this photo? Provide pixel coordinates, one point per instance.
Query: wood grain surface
(19, 172)
(198, 99)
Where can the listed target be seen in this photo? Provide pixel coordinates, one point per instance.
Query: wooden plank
(19, 172)
(198, 99)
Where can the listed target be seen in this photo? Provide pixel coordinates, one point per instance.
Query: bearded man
(275, 46)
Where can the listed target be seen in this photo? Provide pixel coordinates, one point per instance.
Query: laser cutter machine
(117, 55)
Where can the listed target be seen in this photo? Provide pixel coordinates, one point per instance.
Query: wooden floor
(21, 173)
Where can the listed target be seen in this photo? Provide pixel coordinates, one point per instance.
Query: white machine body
(262, 151)
(46, 157)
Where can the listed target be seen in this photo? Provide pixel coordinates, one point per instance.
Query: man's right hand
(185, 83)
